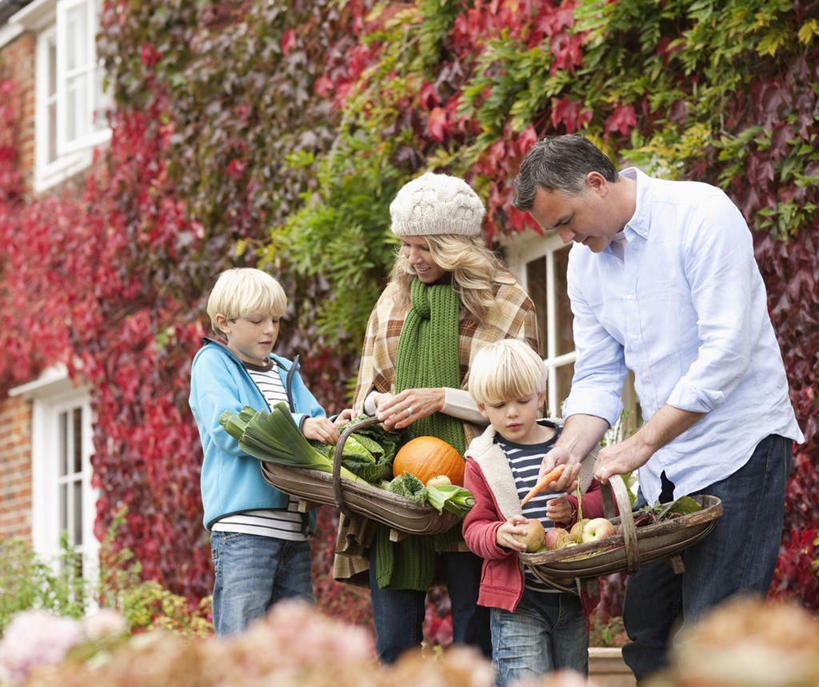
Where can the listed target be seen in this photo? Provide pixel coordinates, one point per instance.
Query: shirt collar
(639, 222)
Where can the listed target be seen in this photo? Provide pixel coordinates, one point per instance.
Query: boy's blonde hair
(506, 370)
(240, 291)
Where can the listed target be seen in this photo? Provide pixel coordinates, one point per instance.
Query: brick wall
(15, 468)
(18, 64)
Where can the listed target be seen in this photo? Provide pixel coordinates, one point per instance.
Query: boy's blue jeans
(398, 615)
(545, 632)
(251, 573)
(739, 555)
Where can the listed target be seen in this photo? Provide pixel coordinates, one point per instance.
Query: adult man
(662, 281)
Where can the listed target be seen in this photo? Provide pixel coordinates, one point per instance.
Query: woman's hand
(397, 411)
(512, 526)
(320, 429)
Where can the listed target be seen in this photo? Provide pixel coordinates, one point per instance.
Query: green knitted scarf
(427, 358)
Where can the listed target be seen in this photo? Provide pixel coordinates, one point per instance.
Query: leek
(452, 497)
(276, 438)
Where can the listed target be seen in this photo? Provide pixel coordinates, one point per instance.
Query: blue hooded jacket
(231, 480)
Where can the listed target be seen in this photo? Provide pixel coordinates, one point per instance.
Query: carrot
(552, 476)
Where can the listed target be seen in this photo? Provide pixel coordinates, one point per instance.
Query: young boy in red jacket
(535, 628)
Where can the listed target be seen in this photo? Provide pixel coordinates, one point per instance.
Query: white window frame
(51, 394)
(519, 251)
(46, 18)
(86, 72)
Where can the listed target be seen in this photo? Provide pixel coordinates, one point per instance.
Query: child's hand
(559, 510)
(343, 417)
(504, 533)
(320, 429)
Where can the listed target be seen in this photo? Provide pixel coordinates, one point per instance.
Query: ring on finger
(409, 411)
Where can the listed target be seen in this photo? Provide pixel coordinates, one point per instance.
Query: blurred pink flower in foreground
(33, 638)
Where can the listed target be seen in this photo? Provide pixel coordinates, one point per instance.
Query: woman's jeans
(739, 555)
(545, 632)
(398, 615)
(251, 573)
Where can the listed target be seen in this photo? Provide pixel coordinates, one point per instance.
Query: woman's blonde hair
(471, 264)
(506, 370)
(240, 291)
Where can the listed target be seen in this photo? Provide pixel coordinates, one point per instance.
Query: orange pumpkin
(426, 457)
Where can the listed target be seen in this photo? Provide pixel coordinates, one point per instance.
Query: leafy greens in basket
(367, 452)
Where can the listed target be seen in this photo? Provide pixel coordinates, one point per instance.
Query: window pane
(536, 285)
(62, 443)
(51, 152)
(563, 377)
(76, 37)
(77, 540)
(52, 67)
(564, 341)
(63, 496)
(76, 110)
(77, 447)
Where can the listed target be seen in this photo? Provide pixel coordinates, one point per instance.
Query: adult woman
(447, 297)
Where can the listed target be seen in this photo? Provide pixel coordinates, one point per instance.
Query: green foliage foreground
(59, 587)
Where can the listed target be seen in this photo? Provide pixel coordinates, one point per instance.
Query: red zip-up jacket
(489, 478)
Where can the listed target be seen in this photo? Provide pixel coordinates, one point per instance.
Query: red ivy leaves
(797, 574)
(622, 120)
(570, 114)
(288, 41)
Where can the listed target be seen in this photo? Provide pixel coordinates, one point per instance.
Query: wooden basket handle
(618, 487)
(337, 491)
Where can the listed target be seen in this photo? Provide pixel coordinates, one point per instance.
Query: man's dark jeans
(398, 615)
(739, 555)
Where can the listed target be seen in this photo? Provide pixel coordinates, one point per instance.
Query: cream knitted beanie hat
(436, 204)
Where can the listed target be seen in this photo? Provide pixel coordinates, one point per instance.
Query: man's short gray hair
(559, 163)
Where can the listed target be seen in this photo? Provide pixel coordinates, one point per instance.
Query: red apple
(557, 538)
(534, 537)
(596, 529)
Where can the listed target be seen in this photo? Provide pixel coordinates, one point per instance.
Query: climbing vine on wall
(723, 92)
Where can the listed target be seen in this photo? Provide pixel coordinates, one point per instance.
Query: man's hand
(619, 459)
(666, 424)
(561, 455)
(320, 429)
(578, 436)
(513, 525)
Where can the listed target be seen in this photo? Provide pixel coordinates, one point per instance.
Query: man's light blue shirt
(685, 308)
